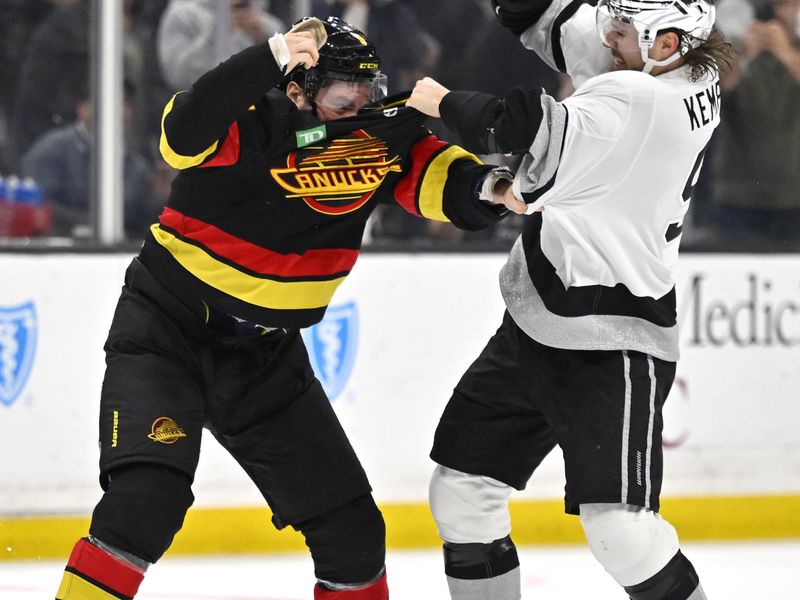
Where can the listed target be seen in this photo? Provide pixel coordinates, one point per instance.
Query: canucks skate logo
(17, 348)
(332, 345)
(164, 430)
(340, 177)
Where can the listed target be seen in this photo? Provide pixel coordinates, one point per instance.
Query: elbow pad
(519, 15)
(472, 116)
(519, 120)
(486, 124)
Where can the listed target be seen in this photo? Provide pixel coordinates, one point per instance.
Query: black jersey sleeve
(487, 124)
(442, 183)
(461, 203)
(194, 121)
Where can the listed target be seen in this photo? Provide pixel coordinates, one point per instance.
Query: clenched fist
(427, 96)
(303, 50)
(503, 193)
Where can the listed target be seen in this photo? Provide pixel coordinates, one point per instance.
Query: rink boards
(401, 330)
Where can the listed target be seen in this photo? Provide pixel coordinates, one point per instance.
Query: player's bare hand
(504, 194)
(427, 96)
(302, 48)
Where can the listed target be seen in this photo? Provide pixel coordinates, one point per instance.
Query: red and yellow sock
(377, 590)
(94, 574)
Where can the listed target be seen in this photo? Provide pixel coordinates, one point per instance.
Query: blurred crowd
(747, 198)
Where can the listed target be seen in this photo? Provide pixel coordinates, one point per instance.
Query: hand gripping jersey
(613, 166)
(266, 217)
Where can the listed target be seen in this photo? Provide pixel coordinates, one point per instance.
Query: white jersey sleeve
(566, 38)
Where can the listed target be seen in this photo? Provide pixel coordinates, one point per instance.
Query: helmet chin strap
(651, 63)
(647, 40)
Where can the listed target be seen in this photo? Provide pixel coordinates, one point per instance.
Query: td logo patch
(332, 346)
(17, 349)
(166, 431)
(310, 136)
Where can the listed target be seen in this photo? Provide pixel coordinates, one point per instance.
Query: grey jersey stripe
(588, 332)
(698, 594)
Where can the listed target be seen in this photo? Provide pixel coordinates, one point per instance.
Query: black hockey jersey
(266, 217)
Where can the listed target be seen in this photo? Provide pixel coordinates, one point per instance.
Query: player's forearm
(218, 98)
(462, 203)
(487, 124)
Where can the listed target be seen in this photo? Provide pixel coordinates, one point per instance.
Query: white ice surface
(735, 571)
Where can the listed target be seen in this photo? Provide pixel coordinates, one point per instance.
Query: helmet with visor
(347, 76)
(692, 20)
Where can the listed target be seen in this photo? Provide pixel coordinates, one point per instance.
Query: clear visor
(616, 29)
(350, 96)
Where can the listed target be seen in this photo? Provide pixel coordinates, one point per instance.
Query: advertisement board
(399, 333)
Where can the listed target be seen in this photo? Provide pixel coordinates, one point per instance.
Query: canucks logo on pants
(332, 345)
(17, 348)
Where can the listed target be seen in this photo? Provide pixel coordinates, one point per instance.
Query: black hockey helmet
(347, 55)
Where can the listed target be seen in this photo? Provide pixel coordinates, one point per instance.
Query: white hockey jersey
(612, 169)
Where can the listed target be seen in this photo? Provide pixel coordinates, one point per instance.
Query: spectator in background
(140, 27)
(476, 52)
(187, 45)
(454, 26)
(18, 20)
(757, 158)
(56, 66)
(734, 17)
(495, 58)
(60, 162)
(289, 11)
(42, 93)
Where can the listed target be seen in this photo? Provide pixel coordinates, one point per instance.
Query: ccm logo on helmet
(370, 65)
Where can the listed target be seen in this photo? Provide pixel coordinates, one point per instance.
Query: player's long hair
(711, 57)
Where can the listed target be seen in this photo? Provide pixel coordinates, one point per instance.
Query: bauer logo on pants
(332, 345)
(17, 349)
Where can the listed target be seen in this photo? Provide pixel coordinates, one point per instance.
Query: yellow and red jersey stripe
(172, 158)
(249, 272)
(229, 153)
(312, 263)
(421, 191)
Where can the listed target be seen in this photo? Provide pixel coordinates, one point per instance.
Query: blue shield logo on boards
(332, 345)
(17, 349)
